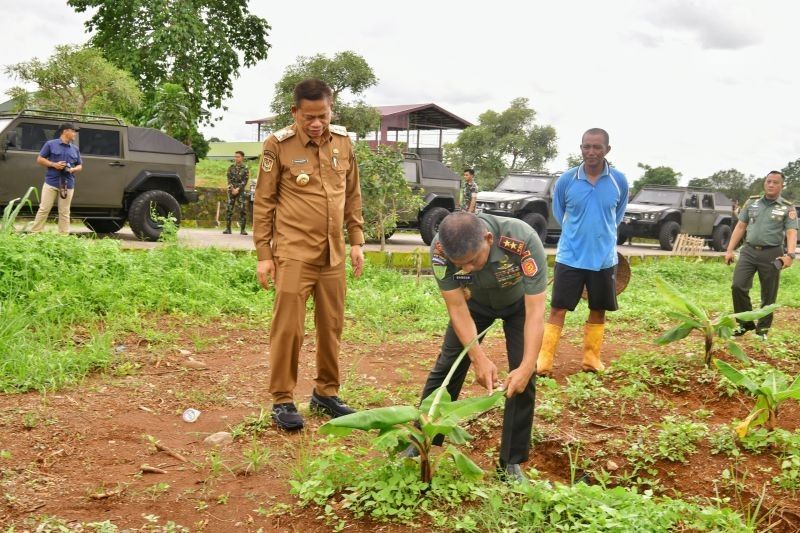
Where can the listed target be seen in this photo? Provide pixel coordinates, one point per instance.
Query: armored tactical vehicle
(526, 196)
(129, 174)
(662, 212)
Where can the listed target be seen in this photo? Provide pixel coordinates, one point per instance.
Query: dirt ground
(76, 454)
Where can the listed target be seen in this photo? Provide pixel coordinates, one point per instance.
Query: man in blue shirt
(589, 201)
(62, 159)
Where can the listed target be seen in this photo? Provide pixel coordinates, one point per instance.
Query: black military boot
(243, 231)
(227, 229)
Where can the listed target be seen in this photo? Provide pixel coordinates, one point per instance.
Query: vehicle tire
(721, 237)
(668, 233)
(142, 208)
(104, 225)
(538, 223)
(429, 224)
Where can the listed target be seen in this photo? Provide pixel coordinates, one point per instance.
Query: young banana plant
(692, 316)
(404, 425)
(769, 396)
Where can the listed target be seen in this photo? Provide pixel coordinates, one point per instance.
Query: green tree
(171, 112)
(791, 187)
(385, 192)
(732, 182)
(345, 73)
(510, 140)
(75, 79)
(655, 176)
(574, 160)
(700, 183)
(199, 45)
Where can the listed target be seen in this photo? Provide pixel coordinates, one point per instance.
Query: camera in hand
(66, 168)
(778, 264)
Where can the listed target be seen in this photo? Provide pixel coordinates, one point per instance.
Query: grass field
(94, 345)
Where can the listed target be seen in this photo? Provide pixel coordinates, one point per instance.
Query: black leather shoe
(512, 473)
(409, 452)
(762, 334)
(741, 330)
(330, 405)
(286, 417)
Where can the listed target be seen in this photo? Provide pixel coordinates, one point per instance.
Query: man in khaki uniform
(308, 190)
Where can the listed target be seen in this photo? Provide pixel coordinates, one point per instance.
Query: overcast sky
(697, 85)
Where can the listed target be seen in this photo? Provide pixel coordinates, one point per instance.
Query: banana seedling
(774, 390)
(692, 316)
(404, 425)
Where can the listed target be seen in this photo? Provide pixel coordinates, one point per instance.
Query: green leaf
(679, 301)
(686, 319)
(675, 334)
(773, 383)
(736, 377)
(464, 464)
(725, 321)
(736, 351)
(380, 418)
(459, 436)
(472, 406)
(755, 314)
(792, 391)
(428, 401)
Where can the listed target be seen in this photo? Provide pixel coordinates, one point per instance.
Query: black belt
(763, 247)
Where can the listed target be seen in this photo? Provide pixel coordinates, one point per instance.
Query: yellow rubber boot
(592, 342)
(544, 363)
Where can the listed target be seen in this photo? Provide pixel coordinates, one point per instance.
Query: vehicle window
(691, 201)
(652, 196)
(708, 202)
(524, 184)
(410, 170)
(98, 142)
(31, 136)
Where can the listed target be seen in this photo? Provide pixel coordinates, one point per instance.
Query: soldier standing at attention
(765, 221)
(308, 190)
(238, 174)
(589, 202)
(470, 194)
(491, 268)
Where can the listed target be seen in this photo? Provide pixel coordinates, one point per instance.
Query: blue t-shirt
(589, 216)
(54, 150)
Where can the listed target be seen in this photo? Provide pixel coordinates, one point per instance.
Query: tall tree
(791, 187)
(733, 183)
(347, 73)
(655, 176)
(510, 140)
(199, 45)
(75, 79)
(386, 194)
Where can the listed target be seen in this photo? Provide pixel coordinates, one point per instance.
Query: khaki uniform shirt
(767, 220)
(305, 221)
(517, 265)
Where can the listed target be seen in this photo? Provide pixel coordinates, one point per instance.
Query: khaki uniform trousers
(295, 281)
(49, 197)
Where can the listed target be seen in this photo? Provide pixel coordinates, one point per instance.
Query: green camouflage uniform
(470, 191)
(237, 179)
(767, 222)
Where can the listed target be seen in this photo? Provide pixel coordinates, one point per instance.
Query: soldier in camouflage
(238, 174)
(470, 194)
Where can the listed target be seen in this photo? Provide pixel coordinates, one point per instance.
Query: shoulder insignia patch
(511, 245)
(529, 268)
(284, 134)
(338, 130)
(792, 214)
(268, 160)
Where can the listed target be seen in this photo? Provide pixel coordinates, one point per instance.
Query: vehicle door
(708, 214)
(102, 181)
(19, 171)
(690, 222)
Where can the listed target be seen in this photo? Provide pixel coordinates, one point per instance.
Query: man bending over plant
(490, 268)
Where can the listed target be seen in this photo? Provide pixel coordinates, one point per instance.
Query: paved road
(400, 242)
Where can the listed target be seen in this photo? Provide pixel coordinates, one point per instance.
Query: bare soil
(76, 454)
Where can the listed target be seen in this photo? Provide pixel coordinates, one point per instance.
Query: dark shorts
(568, 284)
